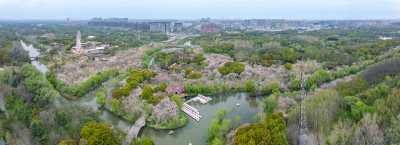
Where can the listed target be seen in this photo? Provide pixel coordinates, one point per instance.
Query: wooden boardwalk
(134, 131)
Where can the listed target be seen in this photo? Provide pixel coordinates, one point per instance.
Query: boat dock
(191, 111)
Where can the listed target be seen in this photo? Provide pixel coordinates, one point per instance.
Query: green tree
(194, 75)
(177, 100)
(251, 87)
(100, 98)
(115, 104)
(38, 130)
(147, 92)
(270, 88)
(288, 65)
(98, 134)
(61, 118)
(238, 121)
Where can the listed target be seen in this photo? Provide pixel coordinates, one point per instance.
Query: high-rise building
(163, 27)
(178, 27)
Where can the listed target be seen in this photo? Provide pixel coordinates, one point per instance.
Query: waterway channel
(194, 132)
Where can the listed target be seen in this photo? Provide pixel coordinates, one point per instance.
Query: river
(194, 132)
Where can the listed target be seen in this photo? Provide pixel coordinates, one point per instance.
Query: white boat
(237, 105)
(171, 132)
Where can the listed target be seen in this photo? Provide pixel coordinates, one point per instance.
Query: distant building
(163, 27)
(119, 22)
(178, 27)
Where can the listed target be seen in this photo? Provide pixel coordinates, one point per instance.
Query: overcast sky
(195, 9)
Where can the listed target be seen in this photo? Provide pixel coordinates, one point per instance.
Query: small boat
(171, 132)
(237, 105)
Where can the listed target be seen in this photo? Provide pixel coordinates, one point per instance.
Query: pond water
(194, 132)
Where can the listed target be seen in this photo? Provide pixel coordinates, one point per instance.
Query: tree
(188, 70)
(270, 131)
(368, 132)
(52, 78)
(194, 75)
(288, 65)
(178, 101)
(115, 104)
(67, 141)
(98, 133)
(118, 93)
(38, 130)
(44, 95)
(101, 98)
(61, 118)
(270, 88)
(251, 87)
(393, 132)
(238, 121)
(147, 92)
(221, 113)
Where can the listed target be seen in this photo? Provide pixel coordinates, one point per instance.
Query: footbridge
(134, 131)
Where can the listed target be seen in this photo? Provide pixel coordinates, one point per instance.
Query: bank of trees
(86, 86)
(200, 88)
(270, 131)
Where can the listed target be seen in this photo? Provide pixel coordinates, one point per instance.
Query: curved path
(134, 131)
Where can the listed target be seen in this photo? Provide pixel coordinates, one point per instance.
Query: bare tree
(368, 132)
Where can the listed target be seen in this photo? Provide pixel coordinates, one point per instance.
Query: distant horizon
(196, 9)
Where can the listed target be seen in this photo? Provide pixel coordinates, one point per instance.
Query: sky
(196, 9)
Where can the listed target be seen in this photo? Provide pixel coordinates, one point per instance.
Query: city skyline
(196, 9)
